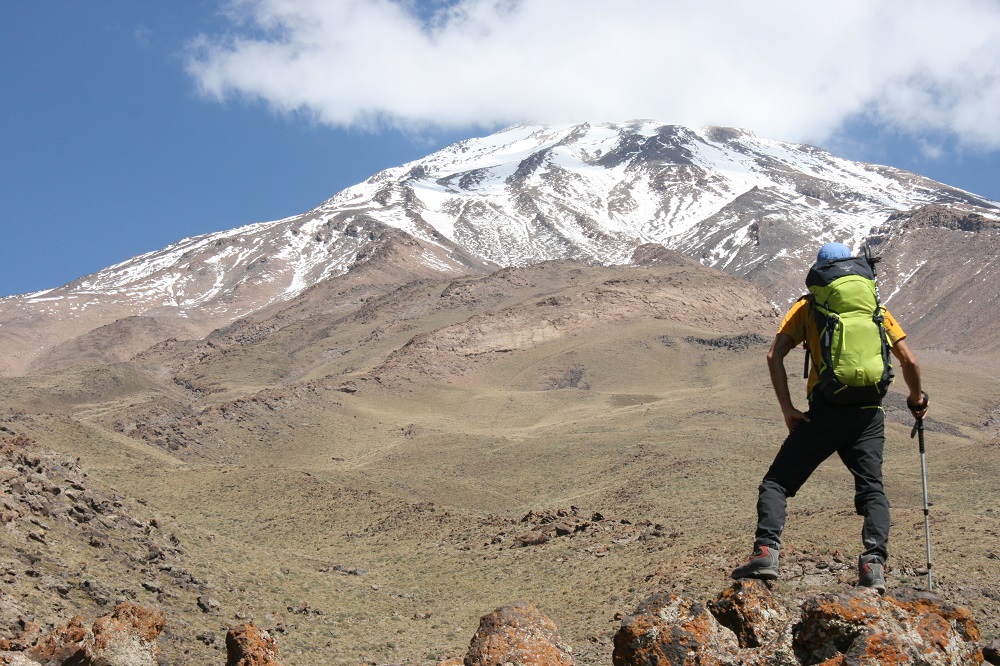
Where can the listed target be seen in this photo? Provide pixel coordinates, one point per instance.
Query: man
(854, 431)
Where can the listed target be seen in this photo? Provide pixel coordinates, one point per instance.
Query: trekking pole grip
(918, 428)
(918, 425)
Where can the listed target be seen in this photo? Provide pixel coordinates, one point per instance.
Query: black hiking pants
(857, 435)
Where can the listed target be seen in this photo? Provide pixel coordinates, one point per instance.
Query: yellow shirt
(801, 327)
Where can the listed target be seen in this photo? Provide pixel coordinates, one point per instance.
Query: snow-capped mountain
(596, 192)
(750, 206)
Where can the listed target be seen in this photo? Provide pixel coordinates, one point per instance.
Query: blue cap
(832, 251)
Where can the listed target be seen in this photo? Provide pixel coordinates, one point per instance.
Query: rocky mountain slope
(753, 207)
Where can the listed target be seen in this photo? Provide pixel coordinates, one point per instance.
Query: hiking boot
(763, 564)
(872, 574)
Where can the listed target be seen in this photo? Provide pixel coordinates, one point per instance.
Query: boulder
(125, 637)
(670, 629)
(517, 633)
(248, 645)
(750, 611)
(866, 628)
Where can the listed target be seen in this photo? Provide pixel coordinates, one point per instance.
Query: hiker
(855, 431)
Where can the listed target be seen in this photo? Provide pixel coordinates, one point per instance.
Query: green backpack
(855, 366)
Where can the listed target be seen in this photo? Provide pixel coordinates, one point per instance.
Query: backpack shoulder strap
(805, 344)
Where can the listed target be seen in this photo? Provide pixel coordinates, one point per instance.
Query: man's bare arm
(780, 348)
(911, 375)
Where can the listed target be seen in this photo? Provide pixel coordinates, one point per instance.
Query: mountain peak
(594, 192)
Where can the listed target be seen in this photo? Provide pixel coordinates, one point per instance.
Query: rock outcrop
(747, 625)
(128, 636)
(125, 637)
(248, 645)
(672, 629)
(750, 610)
(517, 633)
(908, 628)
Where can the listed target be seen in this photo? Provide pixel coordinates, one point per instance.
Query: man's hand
(793, 417)
(918, 407)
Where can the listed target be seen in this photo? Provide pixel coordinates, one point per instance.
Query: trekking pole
(918, 429)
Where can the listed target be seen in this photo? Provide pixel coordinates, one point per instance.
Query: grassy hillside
(368, 485)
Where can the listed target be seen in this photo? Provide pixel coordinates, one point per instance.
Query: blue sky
(126, 126)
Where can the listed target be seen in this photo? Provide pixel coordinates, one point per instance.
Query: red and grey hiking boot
(871, 574)
(762, 564)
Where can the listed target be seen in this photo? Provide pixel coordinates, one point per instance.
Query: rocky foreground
(745, 625)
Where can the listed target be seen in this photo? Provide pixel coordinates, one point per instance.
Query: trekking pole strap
(913, 408)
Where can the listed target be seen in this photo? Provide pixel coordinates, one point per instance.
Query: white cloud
(788, 69)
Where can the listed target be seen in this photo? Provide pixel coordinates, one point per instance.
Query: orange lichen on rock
(846, 608)
(871, 629)
(833, 661)
(748, 608)
(64, 643)
(247, 645)
(671, 629)
(921, 603)
(128, 635)
(878, 648)
(517, 633)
